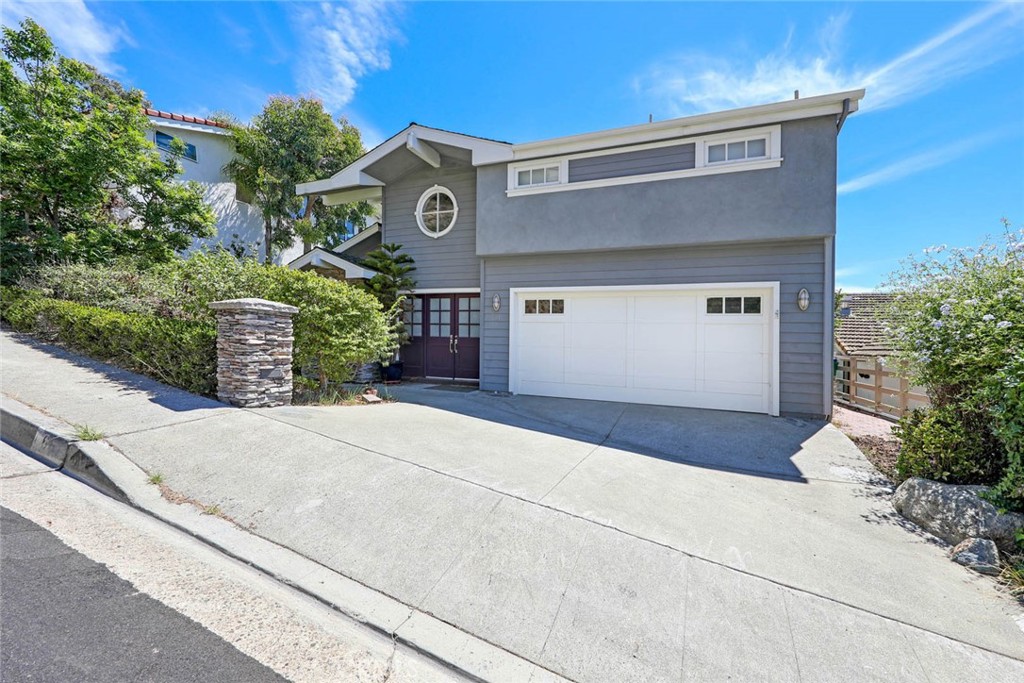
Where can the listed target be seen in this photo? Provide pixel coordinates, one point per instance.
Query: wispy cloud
(701, 82)
(344, 42)
(74, 29)
(940, 156)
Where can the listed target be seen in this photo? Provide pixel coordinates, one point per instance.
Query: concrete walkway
(600, 541)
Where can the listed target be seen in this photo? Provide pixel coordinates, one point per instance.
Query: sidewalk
(561, 541)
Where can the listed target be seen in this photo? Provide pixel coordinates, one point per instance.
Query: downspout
(842, 116)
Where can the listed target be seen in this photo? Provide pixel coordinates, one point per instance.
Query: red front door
(451, 336)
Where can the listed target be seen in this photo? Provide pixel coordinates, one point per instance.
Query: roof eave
(759, 115)
(354, 176)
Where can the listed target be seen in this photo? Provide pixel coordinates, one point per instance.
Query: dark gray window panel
(641, 162)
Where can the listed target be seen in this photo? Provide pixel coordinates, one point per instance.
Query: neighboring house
(660, 263)
(863, 377)
(208, 147)
(859, 328)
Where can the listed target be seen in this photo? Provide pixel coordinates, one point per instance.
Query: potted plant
(389, 285)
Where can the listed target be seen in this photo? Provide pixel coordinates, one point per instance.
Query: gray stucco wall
(449, 261)
(796, 200)
(794, 264)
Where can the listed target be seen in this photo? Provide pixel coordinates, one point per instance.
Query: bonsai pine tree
(390, 283)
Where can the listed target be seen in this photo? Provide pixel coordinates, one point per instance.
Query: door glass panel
(733, 304)
(714, 304)
(469, 316)
(751, 304)
(558, 305)
(544, 306)
(440, 317)
(531, 306)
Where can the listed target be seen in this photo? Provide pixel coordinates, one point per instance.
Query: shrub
(957, 324)
(119, 287)
(176, 352)
(941, 444)
(338, 327)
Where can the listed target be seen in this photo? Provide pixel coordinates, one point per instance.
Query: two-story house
(686, 262)
(208, 147)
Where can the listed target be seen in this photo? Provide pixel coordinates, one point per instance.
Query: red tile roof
(860, 332)
(183, 118)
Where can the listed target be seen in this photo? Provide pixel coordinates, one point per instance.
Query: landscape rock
(979, 554)
(954, 513)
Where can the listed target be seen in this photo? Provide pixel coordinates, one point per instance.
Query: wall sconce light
(803, 299)
(496, 302)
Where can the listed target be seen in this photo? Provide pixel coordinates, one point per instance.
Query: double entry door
(450, 338)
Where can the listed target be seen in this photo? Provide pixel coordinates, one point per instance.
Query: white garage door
(705, 348)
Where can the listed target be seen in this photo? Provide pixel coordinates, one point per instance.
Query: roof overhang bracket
(422, 150)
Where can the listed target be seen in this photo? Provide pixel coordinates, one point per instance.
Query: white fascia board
(358, 238)
(160, 122)
(353, 175)
(356, 194)
(747, 117)
(422, 150)
(320, 257)
(483, 151)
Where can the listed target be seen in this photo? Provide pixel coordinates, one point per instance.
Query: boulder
(979, 554)
(954, 513)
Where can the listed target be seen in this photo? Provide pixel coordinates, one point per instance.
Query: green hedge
(338, 328)
(176, 352)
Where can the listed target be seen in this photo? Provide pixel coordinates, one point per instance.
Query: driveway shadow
(744, 443)
(125, 381)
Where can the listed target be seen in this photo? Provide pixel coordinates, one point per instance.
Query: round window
(436, 211)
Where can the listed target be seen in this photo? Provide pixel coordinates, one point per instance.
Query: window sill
(727, 167)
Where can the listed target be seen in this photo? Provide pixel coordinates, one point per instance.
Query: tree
(79, 180)
(292, 141)
(389, 285)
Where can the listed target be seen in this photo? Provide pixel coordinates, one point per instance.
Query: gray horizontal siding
(672, 158)
(448, 261)
(794, 265)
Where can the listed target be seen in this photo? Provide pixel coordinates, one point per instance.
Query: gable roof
(318, 256)
(859, 330)
(353, 183)
(358, 238)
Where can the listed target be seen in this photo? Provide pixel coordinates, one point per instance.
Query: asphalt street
(67, 618)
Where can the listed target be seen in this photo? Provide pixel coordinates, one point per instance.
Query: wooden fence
(865, 383)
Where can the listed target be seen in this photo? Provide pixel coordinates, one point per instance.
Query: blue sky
(936, 155)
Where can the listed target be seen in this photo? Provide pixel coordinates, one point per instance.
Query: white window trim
(434, 189)
(773, 147)
(514, 170)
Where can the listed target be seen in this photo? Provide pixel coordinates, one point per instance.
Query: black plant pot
(392, 372)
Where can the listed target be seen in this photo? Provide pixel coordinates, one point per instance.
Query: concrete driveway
(603, 542)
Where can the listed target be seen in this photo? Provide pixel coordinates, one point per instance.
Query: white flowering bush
(957, 323)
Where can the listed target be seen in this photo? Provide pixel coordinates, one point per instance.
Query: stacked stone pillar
(254, 352)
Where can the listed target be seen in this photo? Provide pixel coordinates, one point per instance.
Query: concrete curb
(53, 442)
(104, 468)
